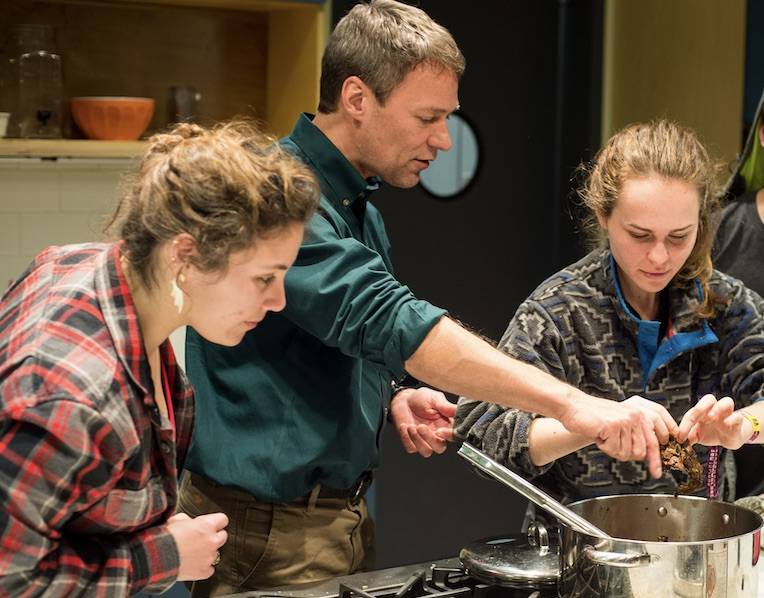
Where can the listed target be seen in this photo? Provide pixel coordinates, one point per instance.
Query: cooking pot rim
(680, 497)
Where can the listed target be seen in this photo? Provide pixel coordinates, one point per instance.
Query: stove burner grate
(442, 582)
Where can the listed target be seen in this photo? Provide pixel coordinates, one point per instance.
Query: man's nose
(441, 139)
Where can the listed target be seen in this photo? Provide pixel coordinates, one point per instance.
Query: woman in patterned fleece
(95, 417)
(643, 316)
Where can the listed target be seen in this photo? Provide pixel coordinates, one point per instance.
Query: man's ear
(354, 97)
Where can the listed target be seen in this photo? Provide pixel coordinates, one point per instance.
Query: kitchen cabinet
(253, 58)
(690, 67)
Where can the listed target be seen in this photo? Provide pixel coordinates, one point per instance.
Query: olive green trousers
(279, 544)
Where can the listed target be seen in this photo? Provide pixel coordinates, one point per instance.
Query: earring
(177, 295)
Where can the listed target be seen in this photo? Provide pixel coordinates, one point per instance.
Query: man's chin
(404, 182)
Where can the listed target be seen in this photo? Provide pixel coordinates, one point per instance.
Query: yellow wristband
(754, 424)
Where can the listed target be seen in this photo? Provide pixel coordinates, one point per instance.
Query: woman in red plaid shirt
(95, 416)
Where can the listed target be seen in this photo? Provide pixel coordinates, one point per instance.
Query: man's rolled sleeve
(412, 324)
(340, 291)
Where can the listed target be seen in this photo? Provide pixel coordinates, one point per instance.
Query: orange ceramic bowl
(112, 118)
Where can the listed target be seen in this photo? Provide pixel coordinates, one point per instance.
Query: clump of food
(682, 462)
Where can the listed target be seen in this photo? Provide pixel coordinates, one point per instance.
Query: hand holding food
(713, 422)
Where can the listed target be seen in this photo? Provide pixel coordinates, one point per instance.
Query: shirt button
(166, 447)
(346, 202)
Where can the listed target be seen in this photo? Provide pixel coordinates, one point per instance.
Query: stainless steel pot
(661, 546)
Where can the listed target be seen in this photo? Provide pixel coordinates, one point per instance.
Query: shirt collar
(683, 305)
(120, 316)
(341, 182)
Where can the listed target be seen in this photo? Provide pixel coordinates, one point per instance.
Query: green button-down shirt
(301, 400)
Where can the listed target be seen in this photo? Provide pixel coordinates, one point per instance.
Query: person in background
(302, 402)
(96, 417)
(739, 251)
(643, 314)
(739, 247)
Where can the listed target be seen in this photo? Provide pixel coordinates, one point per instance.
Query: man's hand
(663, 424)
(424, 419)
(198, 541)
(713, 422)
(627, 430)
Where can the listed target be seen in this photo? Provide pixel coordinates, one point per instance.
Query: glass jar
(9, 86)
(39, 83)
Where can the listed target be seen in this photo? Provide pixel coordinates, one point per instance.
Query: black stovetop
(439, 579)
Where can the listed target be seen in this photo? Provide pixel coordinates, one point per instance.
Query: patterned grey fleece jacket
(577, 327)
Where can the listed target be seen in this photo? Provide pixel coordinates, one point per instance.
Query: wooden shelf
(253, 58)
(254, 5)
(69, 148)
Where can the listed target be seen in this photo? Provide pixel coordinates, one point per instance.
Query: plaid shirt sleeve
(59, 460)
(88, 470)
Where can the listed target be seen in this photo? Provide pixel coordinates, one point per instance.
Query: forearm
(45, 488)
(455, 360)
(80, 565)
(548, 440)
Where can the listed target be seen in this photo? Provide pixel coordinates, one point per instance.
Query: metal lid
(511, 561)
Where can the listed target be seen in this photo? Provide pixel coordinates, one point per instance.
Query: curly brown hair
(666, 149)
(226, 186)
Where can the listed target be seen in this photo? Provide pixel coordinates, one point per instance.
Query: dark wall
(532, 90)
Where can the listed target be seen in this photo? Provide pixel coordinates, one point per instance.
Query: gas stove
(441, 579)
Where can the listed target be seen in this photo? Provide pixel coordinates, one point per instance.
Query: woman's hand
(713, 422)
(198, 541)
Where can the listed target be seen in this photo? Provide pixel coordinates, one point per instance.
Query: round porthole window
(452, 172)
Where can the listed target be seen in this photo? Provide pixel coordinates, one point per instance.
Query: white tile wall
(53, 203)
(45, 202)
(10, 241)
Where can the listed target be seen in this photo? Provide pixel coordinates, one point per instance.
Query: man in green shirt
(288, 422)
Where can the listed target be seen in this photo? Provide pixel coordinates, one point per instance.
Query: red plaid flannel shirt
(88, 467)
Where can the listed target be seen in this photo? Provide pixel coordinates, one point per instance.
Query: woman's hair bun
(164, 143)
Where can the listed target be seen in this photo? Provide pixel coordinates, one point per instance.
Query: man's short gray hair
(381, 41)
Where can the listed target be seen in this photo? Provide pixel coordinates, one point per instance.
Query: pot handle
(619, 559)
(538, 536)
